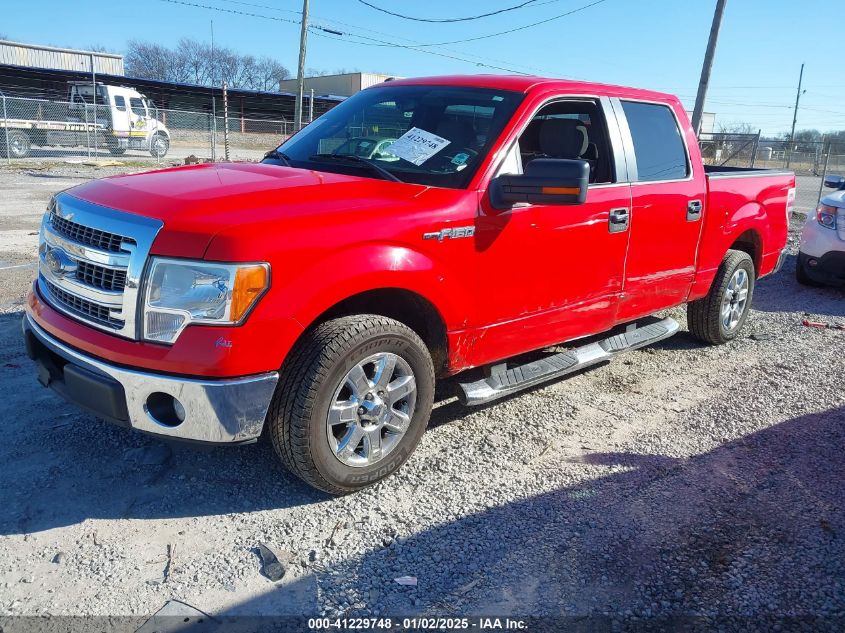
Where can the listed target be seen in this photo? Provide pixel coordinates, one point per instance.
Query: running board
(503, 382)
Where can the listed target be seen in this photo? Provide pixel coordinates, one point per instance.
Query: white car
(821, 254)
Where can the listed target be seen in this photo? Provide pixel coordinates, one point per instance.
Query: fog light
(165, 409)
(179, 410)
(812, 262)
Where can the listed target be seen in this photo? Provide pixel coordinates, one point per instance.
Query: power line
(329, 33)
(330, 21)
(446, 20)
(518, 28)
(376, 42)
(233, 11)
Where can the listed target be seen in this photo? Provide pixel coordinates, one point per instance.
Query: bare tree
(736, 128)
(192, 61)
(150, 61)
(268, 74)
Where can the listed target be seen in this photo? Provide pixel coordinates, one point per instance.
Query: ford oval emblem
(54, 261)
(58, 262)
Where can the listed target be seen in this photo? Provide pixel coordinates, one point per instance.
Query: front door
(563, 265)
(579, 257)
(666, 218)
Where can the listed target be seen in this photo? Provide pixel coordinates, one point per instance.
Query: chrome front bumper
(218, 411)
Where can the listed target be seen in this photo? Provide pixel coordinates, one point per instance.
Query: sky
(656, 44)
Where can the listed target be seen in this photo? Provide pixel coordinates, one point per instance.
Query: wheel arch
(406, 306)
(750, 242)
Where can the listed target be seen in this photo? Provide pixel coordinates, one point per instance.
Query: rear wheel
(18, 144)
(352, 403)
(718, 317)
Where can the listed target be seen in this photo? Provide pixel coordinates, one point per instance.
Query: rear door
(668, 198)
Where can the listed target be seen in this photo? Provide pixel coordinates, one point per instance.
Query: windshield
(430, 135)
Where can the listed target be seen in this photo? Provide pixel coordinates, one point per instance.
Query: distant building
(344, 85)
(708, 122)
(50, 57)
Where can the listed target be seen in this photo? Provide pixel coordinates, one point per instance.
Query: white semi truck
(124, 119)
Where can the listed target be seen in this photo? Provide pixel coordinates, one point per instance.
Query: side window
(658, 145)
(570, 129)
(137, 106)
(120, 103)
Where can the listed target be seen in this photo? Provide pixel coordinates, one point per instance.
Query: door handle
(618, 220)
(693, 210)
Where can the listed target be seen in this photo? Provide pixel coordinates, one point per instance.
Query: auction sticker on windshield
(417, 146)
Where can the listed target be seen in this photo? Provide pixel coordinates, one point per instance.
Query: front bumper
(215, 411)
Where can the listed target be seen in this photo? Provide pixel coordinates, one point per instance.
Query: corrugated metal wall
(17, 54)
(343, 85)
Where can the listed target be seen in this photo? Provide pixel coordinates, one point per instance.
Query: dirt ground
(678, 481)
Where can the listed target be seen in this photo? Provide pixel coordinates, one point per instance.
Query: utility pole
(213, 100)
(708, 65)
(94, 99)
(300, 72)
(794, 117)
(311, 107)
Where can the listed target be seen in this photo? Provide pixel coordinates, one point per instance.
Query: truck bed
(722, 171)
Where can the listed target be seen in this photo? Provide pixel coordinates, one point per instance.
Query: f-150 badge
(450, 234)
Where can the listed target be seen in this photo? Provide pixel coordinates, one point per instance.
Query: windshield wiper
(277, 155)
(350, 158)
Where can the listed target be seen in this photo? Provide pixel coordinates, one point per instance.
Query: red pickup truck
(421, 228)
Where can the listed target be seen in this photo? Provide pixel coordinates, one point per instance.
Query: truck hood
(195, 203)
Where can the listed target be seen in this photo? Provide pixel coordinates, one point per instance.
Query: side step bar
(503, 381)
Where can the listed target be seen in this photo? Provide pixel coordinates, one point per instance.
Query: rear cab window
(120, 103)
(658, 145)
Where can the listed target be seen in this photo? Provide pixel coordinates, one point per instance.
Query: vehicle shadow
(781, 292)
(747, 534)
(60, 466)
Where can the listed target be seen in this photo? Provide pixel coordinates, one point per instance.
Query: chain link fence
(810, 160)
(33, 129)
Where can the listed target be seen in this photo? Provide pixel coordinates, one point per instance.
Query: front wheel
(352, 403)
(718, 317)
(159, 145)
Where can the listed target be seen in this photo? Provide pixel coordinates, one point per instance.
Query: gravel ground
(679, 480)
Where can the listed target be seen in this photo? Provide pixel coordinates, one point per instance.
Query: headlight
(826, 215)
(180, 292)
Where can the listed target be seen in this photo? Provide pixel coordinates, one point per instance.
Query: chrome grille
(100, 276)
(83, 307)
(91, 262)
(86, 235)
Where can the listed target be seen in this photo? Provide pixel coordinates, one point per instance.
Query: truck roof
(527, 83)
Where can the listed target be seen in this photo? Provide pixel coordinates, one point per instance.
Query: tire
(116, 150)
(706, 318)
(801, 274)
(319, 377)
(19, 144)
(159, 145)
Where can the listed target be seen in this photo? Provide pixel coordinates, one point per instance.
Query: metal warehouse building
(43, 72)
(345, 85)
(34, 56)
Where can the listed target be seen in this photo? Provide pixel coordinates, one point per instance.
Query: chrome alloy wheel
(736, 296)
(371, 410)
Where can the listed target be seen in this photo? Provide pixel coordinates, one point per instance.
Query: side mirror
(834, 182)
(545, 181)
